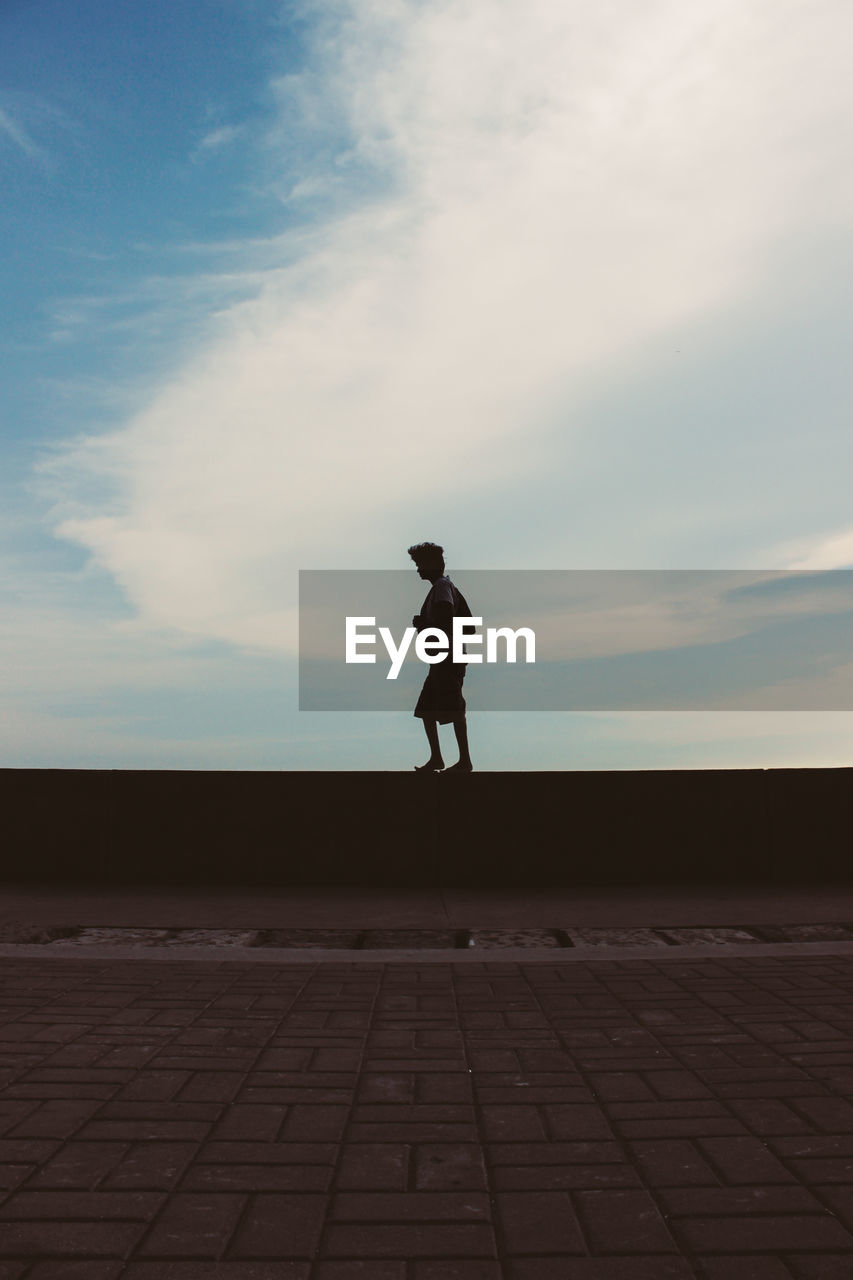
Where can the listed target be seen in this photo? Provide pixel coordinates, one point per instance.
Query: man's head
(428, 558)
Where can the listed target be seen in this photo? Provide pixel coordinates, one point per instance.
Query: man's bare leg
(436, 760)
(463, 764)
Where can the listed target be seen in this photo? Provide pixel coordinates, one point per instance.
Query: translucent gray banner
(605, 640)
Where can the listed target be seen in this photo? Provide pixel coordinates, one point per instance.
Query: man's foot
(461, 766)
(431, 766)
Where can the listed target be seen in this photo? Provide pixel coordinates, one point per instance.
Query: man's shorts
(441, 696)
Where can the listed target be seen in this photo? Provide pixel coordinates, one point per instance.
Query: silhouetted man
(441, 700)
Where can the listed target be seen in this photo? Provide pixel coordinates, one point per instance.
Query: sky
(559, 284)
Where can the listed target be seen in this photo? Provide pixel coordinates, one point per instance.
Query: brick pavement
(611, 1120)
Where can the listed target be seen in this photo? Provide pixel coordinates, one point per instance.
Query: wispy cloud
(27, 119)
(509, 197)
(217, 140)
(834, 552)
(16, 133)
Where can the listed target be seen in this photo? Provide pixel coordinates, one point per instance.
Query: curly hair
(426, 552)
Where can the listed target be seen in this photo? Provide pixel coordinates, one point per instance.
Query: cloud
(217, 140)
(506, 199)
(835, 552)
(24, 114)
(16, 132)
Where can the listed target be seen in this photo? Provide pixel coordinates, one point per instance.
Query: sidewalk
(606, 1119)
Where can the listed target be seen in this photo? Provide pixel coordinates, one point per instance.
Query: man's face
(428, 570)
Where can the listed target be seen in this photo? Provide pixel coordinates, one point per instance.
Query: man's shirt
(441, 592)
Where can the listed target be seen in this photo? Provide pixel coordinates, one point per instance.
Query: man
(441, 700)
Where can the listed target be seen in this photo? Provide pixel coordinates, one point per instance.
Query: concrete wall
(498, 829)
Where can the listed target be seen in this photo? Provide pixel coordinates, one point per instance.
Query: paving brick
(336, 1058)
(449, 1166)
(679, 1127)
(535, 1094)
(677, 1084)
(415, 1113)
(751, 1267)
(541, 1060)
(150, 1166)
(154, 1086)
(128, 1055)
(512, 1123)
(374, 1166)
(768, 1116)
(763, 1234)
(567, 1123)
(11, 1175)
(280, 1226)
(823, 1266)
(563, 1177)
(778, 1072)
(216, 1271)
(68, 1270)
(410, 1206)
(82, 1075)
(200, 1059)
(75, 1055)
(767, 1089)
(523, 1081)
(620, 1086)
(539, 1222)
(402, 1062)
(268, 1153)
(443, 1087)
(211, 1086)
(636, 1268)
(623, 1222)
(260, 1123)
(257, 1177)
(36, 1092)
(671, 1162)
(155, 1111)
(71, 1239)
(495, 1060)
(338, 1269)
(415, 1132)
(468, 1269)
(290, 1094)
(833, 1115)
(521, 1153)
(140, 1130)
(410, 1240)
(744, 1160)
(54, 1119)
(717, 1201)
(387, 1086)
(817, 1144)
(318, 1123)
(840, 1201)
(80, 1164)
(194, 1226)
(44, 1205)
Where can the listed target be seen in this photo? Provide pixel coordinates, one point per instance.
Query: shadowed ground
(618, 1081)
(605, 1119)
